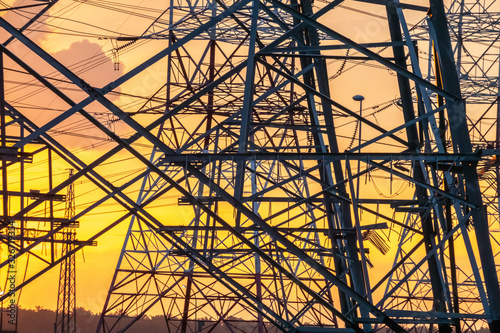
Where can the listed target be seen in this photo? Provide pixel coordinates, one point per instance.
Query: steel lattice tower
(252, 138)
(28, 233)
(156, 271)
(66, 301)
(471, 26)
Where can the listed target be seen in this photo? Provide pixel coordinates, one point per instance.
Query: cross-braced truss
(251, 143)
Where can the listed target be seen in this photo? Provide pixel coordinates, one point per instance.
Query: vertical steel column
(5, 198)
(210, 111)
(247, 109)
(497, 137)
(245, 138)
(439, 300)
(311, 37)
(341, 209)
(461, 143)
(3, 138)
(66, 300)
(51, 208)
(448, 204)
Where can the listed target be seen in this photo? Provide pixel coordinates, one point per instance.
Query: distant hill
(42, 321)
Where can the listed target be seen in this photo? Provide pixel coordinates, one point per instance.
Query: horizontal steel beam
(179, 228)
(433, 315)
(36, 195)
(44, 219)
(49, 240)
(327, 157)
(398, 4)
(322, 56)
(13, 155)
(310, 48)
(315, 329)
(184, 201)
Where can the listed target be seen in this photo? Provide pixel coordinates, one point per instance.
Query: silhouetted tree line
(41, 320)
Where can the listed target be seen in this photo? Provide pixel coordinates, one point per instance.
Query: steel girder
(245, 101)
(117, 298)
(474, 66)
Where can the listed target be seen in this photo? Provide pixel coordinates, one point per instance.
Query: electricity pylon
(26, 231)
(240, 139)
(66, 298)
(253, 144)
(475, 50)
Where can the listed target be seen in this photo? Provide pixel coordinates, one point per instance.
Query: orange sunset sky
(82, 35)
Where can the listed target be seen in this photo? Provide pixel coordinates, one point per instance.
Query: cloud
(89, 61)
(85, 58)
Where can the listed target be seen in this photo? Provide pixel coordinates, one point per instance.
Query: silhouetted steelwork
(153, 267)
(278, 208)
(470, 25)
(34, 235)
(66, 298)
